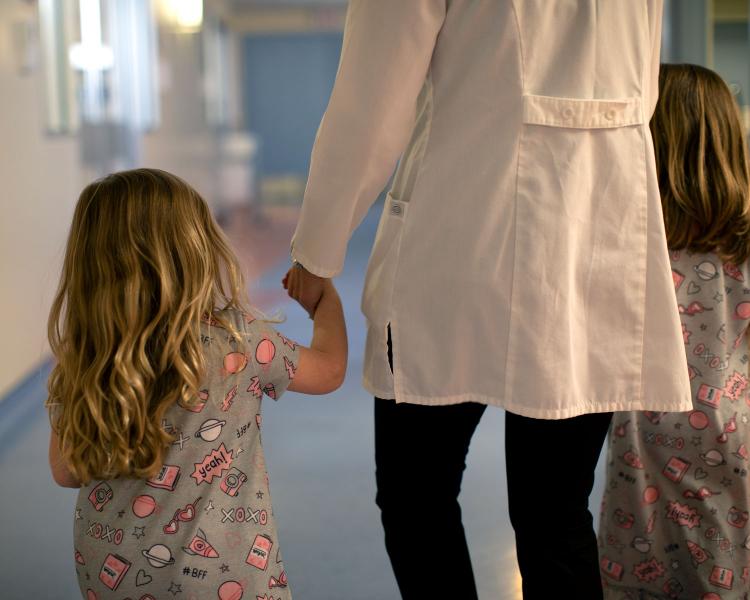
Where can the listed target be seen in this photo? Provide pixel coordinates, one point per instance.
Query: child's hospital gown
(203, 527)
(675, 510)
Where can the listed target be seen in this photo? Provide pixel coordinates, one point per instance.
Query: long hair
(144, 263)
(702, 163)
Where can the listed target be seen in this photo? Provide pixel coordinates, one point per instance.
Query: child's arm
(60, 472)
(322, 366)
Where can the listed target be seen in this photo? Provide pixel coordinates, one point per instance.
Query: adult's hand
(304, 287)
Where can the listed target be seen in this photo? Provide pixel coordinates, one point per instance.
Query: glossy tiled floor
(319, 451)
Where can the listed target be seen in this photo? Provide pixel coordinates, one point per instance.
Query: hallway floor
(320, 458)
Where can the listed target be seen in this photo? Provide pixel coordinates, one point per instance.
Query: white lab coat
(521, 258)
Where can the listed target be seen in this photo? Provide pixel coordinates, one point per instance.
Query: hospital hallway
(320, 458)
(228, 95)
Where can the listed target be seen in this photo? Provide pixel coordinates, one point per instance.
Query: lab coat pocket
(581, 206)
(381, 269)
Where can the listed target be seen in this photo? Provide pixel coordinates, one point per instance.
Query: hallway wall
(40, 179)
(42, 176)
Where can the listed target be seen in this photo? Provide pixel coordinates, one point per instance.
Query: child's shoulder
(710, 264)
(246, 323)
(239, 319)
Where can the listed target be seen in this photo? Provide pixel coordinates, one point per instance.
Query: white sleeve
(387, 49)
(656, 9)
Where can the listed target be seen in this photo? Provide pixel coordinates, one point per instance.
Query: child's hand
(322, 366)
(304, 287)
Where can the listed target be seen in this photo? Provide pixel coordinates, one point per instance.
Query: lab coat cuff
(311, 265)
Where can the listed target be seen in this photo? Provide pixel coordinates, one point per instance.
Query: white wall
(39, 183)
(40, 179)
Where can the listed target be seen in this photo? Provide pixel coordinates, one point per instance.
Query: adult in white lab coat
(520, 261)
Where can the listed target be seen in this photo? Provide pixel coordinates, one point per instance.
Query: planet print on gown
(235, 362)
(650, 494)
(698, 420)
(742, 311)
(706, 270)
(158, 556)
(265, 351)
(230, 590)
(209, 430)
(143, 506)
(713, 458)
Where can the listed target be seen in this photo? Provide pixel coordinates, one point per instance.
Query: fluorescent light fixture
(91, 54)
(91, 58)
(57, 21)
(184, 15)
(91, 22)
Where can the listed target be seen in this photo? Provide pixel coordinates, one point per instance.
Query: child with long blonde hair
(675, 511)
(155, 398)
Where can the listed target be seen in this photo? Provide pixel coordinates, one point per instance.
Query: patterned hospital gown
(675, 511)
(203, 527)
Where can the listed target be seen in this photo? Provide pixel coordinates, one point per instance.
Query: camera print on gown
(675, 511)
(203, 526)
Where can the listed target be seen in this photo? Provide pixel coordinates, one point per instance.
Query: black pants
(420, 454)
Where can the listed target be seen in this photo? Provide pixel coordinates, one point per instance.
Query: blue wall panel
(287, 80)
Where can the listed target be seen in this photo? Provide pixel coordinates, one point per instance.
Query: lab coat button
(610, 114)
(567, 112)
(396, 210)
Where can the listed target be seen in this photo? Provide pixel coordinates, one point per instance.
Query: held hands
(322, 366)
(304, 287)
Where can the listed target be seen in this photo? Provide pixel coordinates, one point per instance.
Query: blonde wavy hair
(702, 162)
(144, 263)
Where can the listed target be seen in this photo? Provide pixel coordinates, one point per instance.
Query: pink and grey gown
(675, 510)
(203, 527)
